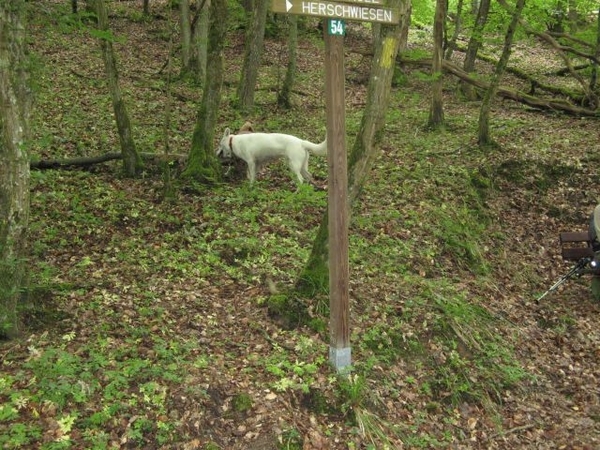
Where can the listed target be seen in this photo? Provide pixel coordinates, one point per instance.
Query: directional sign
(360, 11)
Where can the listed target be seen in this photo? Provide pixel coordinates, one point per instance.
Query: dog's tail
(316, 149)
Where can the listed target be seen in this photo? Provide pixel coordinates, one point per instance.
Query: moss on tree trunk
(203, 165)
(14, 162)
(436, 110)
(483, 136)
(314, 278)
(132, 163)
(254, 46)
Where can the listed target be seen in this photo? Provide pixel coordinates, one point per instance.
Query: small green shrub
(291, 439)
(242, 402)
(460, 233)
(288, 309)
(475, 363)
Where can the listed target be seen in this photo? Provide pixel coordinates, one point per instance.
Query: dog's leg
(305, 173)
(297, 167)
(251, 171)
(308, 177)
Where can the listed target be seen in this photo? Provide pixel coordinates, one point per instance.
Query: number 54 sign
(336, 27)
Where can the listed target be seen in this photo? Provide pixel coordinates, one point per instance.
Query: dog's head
(224, 151)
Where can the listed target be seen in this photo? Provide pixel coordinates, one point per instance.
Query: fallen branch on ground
(87, 161)
(512, 94)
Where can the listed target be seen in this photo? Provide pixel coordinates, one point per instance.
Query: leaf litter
(151, 331)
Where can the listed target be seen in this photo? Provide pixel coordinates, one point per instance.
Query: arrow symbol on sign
(288, 5)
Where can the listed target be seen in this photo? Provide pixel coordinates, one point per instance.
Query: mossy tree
(132, 162)
(194, 36)
(200, 41)
(253, 52)
(483, 137)
(203, 165)
(284, 95)
(475, 42)
(436, 110)
(14, 161)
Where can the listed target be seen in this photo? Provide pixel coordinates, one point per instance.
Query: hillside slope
(147, 323)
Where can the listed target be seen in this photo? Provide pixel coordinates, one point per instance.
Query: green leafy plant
(472, 353)
(290, 439)
(293, 374)
(152, 309)
(356, 403)
(242, 402)
(20, 435)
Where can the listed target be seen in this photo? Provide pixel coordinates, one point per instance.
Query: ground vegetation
(152, 324)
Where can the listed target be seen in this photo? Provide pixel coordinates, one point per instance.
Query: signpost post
(362, 10)
(339, 316)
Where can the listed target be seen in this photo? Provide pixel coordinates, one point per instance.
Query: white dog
(259, 148)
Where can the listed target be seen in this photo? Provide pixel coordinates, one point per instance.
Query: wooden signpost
(362, 10)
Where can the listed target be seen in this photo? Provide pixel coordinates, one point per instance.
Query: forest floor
(148, 326)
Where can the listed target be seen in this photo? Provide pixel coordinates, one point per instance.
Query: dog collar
(231, 143)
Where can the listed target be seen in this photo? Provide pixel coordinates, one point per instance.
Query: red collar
(231, 143)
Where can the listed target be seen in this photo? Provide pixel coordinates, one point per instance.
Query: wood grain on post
(339, 353)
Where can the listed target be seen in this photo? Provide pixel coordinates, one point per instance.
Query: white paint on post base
(340, 358)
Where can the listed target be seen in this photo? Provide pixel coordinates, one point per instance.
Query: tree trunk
(252, 55)
(85, 162)
(203, 164)
(14, 162)
(473, 48)
(558, 14)
(392, 39)
(200, 42)
(315, 275)
(247, 5)
(436, 111)
(146, 7)
(594, 75)
(132, 163)
(284, 96)
(186, 35)
(573, 16)
(483, 137)
(457, 30)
